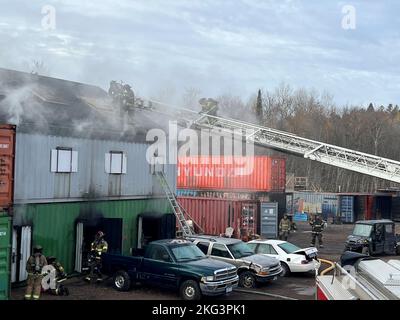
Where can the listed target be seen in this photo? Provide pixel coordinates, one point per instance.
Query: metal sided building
(80, 167)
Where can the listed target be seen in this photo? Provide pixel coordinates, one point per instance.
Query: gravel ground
(299, 286)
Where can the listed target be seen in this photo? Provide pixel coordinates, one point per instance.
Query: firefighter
(57, 288)
(209, 106)
(285, 226)
(34, 267)
(98, 247)
(317, 225)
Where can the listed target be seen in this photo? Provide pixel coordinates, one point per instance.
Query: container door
(5, 254)
(26, 243)
(14, 256)
(248, 220)
(269, 220)
(7, 136)
(78, 247)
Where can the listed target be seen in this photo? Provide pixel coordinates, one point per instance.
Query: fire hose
(330, 268)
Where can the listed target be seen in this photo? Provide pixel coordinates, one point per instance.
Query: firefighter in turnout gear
(54, 284)
(98, 247)
(317, 225)
(34, 267)
(285, 226)
(209, 106)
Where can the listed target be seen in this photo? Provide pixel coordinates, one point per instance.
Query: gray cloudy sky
(217, 46)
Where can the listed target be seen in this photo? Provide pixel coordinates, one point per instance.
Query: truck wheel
(285, 270)
(365, 250)
(122, 281)
(398, 250)
(247, 280)
(190, 290)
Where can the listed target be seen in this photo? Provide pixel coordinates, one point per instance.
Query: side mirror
(166, 258)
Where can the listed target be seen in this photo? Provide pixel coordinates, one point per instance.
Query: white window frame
(55, 160)
(108, 162)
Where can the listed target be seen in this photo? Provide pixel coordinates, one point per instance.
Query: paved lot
(299, 286)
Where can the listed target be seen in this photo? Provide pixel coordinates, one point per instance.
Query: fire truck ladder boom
(314, 150)
(178, 210)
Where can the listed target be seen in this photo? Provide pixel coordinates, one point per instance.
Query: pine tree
(259, 106)
(371, 107)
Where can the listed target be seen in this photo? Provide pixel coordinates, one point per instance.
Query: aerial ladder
(274, 139)
(287, 142)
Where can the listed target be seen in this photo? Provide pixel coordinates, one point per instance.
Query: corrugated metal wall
(249, 174)
(7, 144)
(35, 183)
(53, 224)
(215, 215)
(396, 209)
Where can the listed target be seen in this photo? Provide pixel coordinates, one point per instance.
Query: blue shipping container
(347, 209)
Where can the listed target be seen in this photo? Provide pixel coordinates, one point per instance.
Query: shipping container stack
(236, 192)
(303, 204)
(342, 207)
(360, 206)
(7, 152)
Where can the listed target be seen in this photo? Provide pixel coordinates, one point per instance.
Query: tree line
(310, 114)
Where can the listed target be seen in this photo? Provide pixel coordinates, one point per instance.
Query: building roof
(45, 105)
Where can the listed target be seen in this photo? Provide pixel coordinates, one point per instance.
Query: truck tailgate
(114, 262)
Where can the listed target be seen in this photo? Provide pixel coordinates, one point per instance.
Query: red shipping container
(215, 215)
(369, 212)
(248, 174)
(7, 149)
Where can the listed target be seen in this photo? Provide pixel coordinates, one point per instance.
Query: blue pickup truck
(177, 264)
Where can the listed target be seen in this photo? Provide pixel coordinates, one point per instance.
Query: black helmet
(51, 259)
(37, 249)
(99, 234)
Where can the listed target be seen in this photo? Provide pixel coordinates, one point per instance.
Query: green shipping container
(5, 248)
(54, 224)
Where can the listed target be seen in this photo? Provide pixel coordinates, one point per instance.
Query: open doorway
(155, 226)
(85, 233)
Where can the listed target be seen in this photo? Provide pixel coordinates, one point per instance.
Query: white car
(293, 258)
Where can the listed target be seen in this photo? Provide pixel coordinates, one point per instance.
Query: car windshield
(362, 230)
(187, 253)
(288, 247)
(240, 250)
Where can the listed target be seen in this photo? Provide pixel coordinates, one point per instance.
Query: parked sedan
(293, 258)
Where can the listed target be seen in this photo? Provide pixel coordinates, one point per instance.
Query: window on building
(115, 162)
(64, 160)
